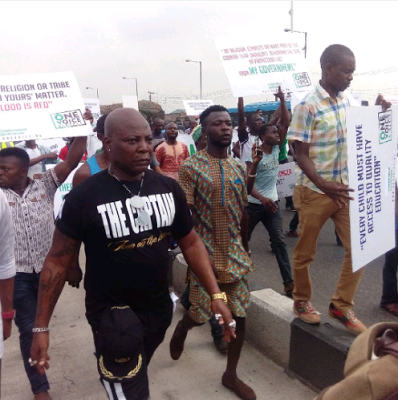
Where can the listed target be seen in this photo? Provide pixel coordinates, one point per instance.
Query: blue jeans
(390, 294)
(26, 287)
(273, 223)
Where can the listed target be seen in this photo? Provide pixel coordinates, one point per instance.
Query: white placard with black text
(372, 151)
(195, 107)
(41, 106)
(259, 64)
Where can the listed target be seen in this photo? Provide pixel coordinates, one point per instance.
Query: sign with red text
(372, 151)
(195, 107)
(258, 65)
(286, 180)
(40, 106)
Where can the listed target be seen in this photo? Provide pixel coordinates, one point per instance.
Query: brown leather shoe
(177, 341)
(391, 308)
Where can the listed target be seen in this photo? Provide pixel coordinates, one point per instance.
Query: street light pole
(136, 85)
(200, 66)
(305, 45)
(200, 74)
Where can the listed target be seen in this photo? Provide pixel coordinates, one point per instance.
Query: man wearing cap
(126, 216)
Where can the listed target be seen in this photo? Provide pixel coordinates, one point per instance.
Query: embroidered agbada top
(33, 218)
(171, 157)
(321, 121)
(216, 191)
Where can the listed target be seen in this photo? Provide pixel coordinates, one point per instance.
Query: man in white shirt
(7, 272)
(39, 156)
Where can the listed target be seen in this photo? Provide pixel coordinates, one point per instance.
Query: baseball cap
(120, 346)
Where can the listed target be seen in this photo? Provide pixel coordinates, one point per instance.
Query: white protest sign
(286, 179)
(39, 106)
(256, 65)
(357, 96)
(93, 105)
(63, 189)
(296, 98)
(195, 107)
(55, 145)
(372, 150)
(393, 99)
(188, 141)
(130, 102)
(352, 100)
(93, 143)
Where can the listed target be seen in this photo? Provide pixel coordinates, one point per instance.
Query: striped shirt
(33, 218)
(321, 121)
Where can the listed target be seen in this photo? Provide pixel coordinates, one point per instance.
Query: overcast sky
(103, 41)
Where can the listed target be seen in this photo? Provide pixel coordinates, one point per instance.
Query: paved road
(325, 271)
(196, 376)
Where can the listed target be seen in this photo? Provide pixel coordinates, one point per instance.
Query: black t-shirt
(125, 262)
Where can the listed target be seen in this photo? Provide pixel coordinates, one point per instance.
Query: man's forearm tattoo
(69, 247)
(50, 285)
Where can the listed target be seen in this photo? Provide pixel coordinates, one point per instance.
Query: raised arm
(74, 155)
(242, 132)
(72, 159)
(37, 160)
(52, 280)
(284, 116)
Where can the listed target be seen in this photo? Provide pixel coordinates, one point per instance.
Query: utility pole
(150, 95)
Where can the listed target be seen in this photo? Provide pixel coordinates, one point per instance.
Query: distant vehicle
(267, 107)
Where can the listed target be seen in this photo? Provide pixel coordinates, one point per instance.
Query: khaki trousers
(314, 209)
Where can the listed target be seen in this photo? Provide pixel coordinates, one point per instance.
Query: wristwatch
(220, 296)
(8, 315)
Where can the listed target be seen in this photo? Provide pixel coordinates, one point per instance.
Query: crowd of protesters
(144, 193)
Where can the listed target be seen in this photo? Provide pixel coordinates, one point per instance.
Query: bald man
(126, 216)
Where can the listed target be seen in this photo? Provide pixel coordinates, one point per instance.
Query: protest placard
(255, 65)
(39, 106)
(195, 107)
(93, 105)
(130, 102)
(93, 143)
(372, 150)
(286, 179)
(62, 190)
(55, 145)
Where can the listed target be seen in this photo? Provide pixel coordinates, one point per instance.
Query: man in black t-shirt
(126, 216)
